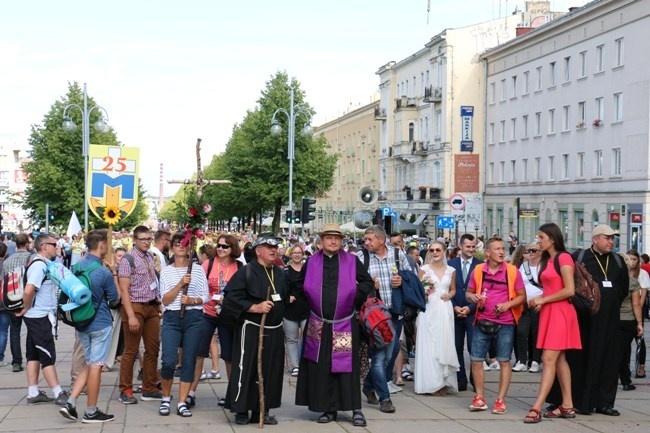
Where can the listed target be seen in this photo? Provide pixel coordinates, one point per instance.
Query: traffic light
(287, 217)
(308, 209)
(51, 215)
(296, 217)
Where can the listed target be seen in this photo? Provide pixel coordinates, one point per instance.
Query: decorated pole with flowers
(196, 213)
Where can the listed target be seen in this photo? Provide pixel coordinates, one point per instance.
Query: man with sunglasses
(39, 315)
(464, 310)
(140, 294)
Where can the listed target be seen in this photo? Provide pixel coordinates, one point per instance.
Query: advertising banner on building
(466, 173)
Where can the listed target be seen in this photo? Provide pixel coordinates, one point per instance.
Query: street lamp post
(276, 130)
(100, 126)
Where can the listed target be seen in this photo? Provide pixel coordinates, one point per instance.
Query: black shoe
(268, 419)
(190, 401)
(629, 387)
(97, 417)
(139, 374)
(241, 418)
(372, 398)
(17, 368)
(386, 406)
(69, 411)
(608, 410)
(462, 387)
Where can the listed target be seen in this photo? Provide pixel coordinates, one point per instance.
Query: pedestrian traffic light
(308, 209)
(51, 215)
(287, 217)
(296, 217)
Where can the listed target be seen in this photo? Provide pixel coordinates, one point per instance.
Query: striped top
(198, 288)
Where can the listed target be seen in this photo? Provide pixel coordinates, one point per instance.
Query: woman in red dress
(558, 322)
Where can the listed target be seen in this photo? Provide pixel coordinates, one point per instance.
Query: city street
(415, 413)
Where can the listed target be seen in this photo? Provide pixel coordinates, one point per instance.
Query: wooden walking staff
(200, 184)
(260, 377)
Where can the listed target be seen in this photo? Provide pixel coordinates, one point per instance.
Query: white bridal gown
(436, 362)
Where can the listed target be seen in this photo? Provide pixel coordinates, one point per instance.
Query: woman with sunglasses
(528, 324)
(176, 329)
(297, 312)
(558, 322)
(436, 362)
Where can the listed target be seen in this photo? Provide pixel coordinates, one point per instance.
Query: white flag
(73, 227)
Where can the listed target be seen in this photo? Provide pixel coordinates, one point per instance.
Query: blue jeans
(175, 330)
(4, 332)
(504, 340)
(397, 324)
(376, 378)
(463, 328)
(293, 341)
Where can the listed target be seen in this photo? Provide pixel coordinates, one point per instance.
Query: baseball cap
(603, 229)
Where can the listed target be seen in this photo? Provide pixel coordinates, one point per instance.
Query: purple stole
(342, 321)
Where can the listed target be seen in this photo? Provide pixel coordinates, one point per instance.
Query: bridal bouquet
(429, 284)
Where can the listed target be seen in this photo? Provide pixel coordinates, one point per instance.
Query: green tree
(56, 167)
(256, 162)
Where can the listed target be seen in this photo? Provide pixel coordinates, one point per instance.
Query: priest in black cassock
(246, 301)
(335, 284)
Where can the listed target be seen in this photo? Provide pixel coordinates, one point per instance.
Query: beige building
(355, 138)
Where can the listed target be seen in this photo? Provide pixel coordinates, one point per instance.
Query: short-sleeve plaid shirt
(383, 269)
(144, 277)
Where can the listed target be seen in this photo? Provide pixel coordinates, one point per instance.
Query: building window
(524, 169)
(538, 124)
(513, 128)
(491, 132)
(565, 166)
(502, 171)
(504, 90)
(493, 93)
(599, 58)
(503, 131)
(618, 107)
(618, 43)
(513, 171)
(583, 64)
(411, 132)
(526, 83)
(582, 114)
(551, 168)
(539, 78)
(552, 74)
(616, 153)
(598, 159)
(438, 123)
(491, 173)
(524, 121)
(514, 86)
(581, 165)
(600, 109)
(566, 118)
(538, 169)
(551, 121)
(567, 69)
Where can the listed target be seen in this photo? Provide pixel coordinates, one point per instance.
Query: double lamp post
(100, 126)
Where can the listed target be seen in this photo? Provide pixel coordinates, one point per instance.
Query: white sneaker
(519, 367)
(486, 367)
(215, 374)
(534, 367)
(203, 376)
(495, 366)
(392, 388)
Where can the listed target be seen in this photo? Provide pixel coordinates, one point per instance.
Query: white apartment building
(421, 161)
(13, 182)
(567, 126)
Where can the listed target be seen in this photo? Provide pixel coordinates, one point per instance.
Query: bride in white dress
(436, 362)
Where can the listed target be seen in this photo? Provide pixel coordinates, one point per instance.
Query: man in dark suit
(463, 310)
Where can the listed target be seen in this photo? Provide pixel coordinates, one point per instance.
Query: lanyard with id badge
(275, 296)
(606, 282)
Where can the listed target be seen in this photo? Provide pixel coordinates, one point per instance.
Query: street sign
(466, 116)
(457, 202)
(527, 213)
(385, 211)
(445, 222)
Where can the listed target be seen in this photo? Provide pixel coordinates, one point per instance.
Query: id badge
(607, 283)
(217, 297)
(153, 286)
(276, 297)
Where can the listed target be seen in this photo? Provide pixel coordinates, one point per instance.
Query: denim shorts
(503, 342)
(96, 345)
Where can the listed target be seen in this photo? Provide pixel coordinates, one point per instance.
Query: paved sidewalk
(415, 413)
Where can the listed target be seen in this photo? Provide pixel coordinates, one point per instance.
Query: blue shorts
(96, 345)
(503, 342)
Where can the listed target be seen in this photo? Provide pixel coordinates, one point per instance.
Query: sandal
(533, 419)
(222, 402)
(358, 420)
(399, 381)
(183, 411)
(326, 417)
(164, 408)
(567, 412)
(190, 401)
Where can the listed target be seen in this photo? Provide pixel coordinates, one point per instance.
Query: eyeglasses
(435, 250)
(144, 239)
(532, 250)
(223, 246)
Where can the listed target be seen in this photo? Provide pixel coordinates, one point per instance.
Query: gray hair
(377, 230)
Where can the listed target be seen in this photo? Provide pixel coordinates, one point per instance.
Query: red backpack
(375, 321)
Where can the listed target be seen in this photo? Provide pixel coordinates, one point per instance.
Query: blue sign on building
(445, 222)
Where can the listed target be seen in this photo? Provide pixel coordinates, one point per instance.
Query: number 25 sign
(113, 179)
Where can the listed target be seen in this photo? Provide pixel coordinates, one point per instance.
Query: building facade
(13, 182)
(567, 126)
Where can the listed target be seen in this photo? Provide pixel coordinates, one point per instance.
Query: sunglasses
(435, 250)
(532, 250)
(223, 246)
(50, 243)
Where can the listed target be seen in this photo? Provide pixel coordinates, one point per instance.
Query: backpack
(83, 315)
(586, 299)
(12, 287)
(376, 322)
(529, 275)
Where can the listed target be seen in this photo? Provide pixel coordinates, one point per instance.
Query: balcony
(432, 94)
(420, 148)
(380, 113)
(405, 103)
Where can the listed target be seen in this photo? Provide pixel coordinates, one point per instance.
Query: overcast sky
(169, 72)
